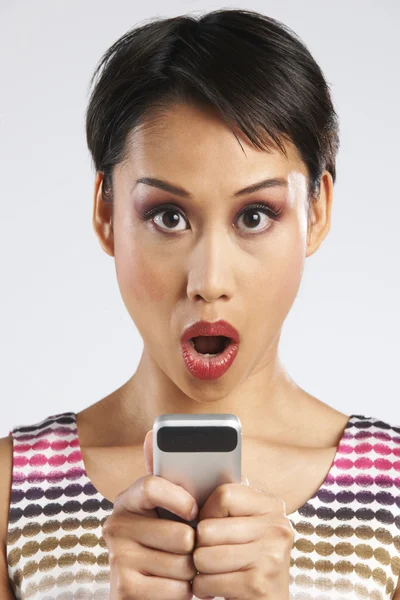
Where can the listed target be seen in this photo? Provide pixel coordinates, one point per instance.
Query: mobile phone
(198, 452)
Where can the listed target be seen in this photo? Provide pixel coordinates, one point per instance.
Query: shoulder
(373, 442)
(377, 425)
(6, 451)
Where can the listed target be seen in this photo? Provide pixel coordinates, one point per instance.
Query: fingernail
(193, 513)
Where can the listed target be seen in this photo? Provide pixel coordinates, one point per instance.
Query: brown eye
(252, 218)
(170, 218)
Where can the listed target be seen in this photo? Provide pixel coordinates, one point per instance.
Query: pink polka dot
(345, 449)
(38, 460)
(382, 449)
(363, 463)
(382, 464)
(22, 447)
(343, 463)
(41, 445)
(57, 460)
(75, 457)
(59, 445)
(363, 448)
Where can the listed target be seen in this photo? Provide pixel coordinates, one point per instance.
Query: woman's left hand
(243, 545)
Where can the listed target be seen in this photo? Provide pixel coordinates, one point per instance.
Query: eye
(252, 216)
(167, 217)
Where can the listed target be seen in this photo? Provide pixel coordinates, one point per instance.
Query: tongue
(209, 344)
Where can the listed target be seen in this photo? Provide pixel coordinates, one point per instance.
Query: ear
(102, 216)
(319, 221)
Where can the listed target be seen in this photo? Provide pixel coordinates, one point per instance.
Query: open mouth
(210, 345)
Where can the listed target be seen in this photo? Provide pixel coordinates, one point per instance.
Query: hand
(243, 545)
(150, 557)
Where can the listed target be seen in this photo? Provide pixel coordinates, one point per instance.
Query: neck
(268, 402)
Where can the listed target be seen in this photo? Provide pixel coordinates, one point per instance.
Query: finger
(156, 563)
(237, 500)
(226, 558)
(150, 491)
(145, 586)
(148, 452)
(235, 530)
(158, 534)
(220, 585)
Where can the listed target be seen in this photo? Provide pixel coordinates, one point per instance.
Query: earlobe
(102, 217)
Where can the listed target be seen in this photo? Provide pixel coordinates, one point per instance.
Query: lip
(220, 327)
(204, 367)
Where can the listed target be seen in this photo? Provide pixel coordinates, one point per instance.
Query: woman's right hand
(151, 557)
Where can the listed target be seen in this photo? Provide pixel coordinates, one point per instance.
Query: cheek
(140, 280)
(279, 285)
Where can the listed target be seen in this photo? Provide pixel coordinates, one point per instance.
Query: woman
(213, 120)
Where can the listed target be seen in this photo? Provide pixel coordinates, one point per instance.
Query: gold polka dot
(65, 579)
(70, 524)
(344, 567)
(30, 549)
(31, 529)
(47, 563)
(103, 559)
(363, 551)
(323, 566)
(46, 583)
(67, 560)
(305, 546)
(383, 536)
(84, 576)
(13, 536)
(90, 523)
(89, 540)
(86, 558)
(344, 549)
(69, 541)
(103, 577)
(382, 556)
(30, 568)
(51, 526)
(363, 532)
(379, 576)
(344, 531)
(49, 544)
(13, 557)
(363, 571)
(324, 548)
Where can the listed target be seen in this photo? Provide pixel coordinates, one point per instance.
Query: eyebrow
(174, 189)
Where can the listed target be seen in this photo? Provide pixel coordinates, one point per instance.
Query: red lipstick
(209, 367)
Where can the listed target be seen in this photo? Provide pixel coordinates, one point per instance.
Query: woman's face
(211, 256)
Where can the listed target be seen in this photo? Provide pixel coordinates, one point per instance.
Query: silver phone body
(198, 452)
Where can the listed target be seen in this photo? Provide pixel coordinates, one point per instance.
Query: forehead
(186, 134)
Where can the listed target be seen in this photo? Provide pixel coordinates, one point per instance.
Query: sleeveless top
(347, 536)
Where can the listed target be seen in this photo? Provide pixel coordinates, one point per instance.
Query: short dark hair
(252, 68)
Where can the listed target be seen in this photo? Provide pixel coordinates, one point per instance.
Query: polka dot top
(347, 536)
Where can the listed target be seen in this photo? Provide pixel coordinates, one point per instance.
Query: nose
(211, 268)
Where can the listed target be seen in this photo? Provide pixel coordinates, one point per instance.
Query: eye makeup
(271, 209)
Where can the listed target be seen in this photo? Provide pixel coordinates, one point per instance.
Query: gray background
(66, 337)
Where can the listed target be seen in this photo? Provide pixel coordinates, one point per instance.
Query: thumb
(148, 452)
